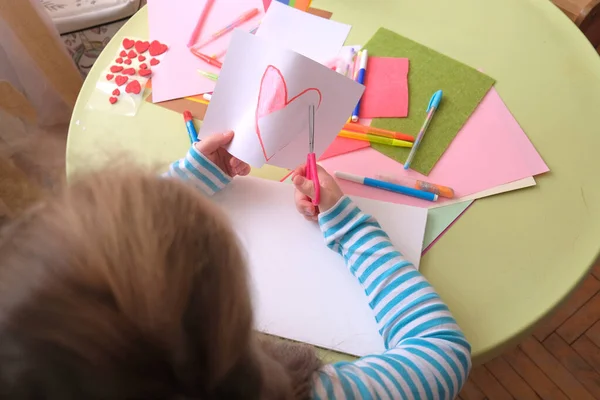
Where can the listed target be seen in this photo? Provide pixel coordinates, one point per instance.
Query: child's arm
(428, 356)
(207, 165)
(198, 170)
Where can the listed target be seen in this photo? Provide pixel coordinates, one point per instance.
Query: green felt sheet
(429, 71)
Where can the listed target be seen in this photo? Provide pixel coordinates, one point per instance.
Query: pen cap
(435, 100)
(187, 116)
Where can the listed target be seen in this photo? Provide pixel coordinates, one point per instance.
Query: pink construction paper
(172, 24)
(342, 146)
(386, 88)
(490, 150)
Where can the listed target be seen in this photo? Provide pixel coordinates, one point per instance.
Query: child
(128, 286)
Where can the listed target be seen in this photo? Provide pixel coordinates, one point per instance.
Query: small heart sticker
(119, 60)
(113, 100)
(128, 71)
(157, 48)
(116, 68)
(141, 58)
(109, 76)
(141, 47)
(143, 66)
(145, 72)
(132, 54)
(128, 61)
(133, 87)
(154, 62)
(128, 43)
(123, 53)
(120, 80)
(116, 92)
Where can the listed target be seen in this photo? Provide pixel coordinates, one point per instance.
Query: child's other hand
(212, 148)
(330, 193)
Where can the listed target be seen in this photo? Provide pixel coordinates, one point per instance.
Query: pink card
(173, 25)
(490, 150)
(386, 91)
(342, 146)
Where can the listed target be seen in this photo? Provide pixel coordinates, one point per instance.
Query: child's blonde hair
(128, 286)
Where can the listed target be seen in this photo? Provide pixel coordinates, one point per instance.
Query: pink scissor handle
(312, 173)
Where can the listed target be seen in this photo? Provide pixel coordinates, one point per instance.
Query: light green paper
(440, 218)
(429, 71)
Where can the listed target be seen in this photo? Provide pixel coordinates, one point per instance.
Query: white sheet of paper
(234, 103)
(317, 38)
(301, 289)
(507, 187)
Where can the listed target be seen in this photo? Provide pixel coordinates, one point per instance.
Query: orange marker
(378, 132)
(207, 59)
(443, 191)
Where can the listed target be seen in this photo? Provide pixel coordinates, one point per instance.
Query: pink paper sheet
(386, 91)
(343, 146)
(490, 150)
(173, 24)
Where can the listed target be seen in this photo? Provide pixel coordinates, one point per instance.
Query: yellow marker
(375, 139)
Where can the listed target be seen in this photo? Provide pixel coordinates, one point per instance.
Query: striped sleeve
(199, 171)
(427, 355)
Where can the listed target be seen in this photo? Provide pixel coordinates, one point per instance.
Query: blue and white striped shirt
(427, 354)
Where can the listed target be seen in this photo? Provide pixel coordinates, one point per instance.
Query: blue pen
(189, 123)
(433, 105)
(392, 187)
(360, 78)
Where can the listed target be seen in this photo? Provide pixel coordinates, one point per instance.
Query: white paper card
(263, 93)
(302, 290)
(317, 38)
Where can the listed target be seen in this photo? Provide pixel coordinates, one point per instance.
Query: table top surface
(511, 258)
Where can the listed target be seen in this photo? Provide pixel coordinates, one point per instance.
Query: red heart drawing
(273, 97)
(128, 61)
(128, 43)
(141, 47)
(154, 62)
(123, 53)
(113, 100)
(120, 80)
(129, 71)
(145, 72)
(109, 76)
(157, 48)
(119, 60)
(116, 68)
(141, 58)
(143, 66)
(116, 92)
(133, 87)
(132, 54)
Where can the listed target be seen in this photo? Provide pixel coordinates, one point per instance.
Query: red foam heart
(120, 80)
(109, 76)
(116, 68)
(145, 72)
(116, 92)
(129, 71)
(123, 53)
(113, 100)
(119, 60)
(128, 61)
(141, 58)
(154, 62)
(132, 54)
(143, 66)
(157, 48)
(133, 87)
(141, 47)
(128, 43)
(273, 96)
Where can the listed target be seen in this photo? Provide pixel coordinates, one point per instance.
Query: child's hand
(212, 148)
(330, 193)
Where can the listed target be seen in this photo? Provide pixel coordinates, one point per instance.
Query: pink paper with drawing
(490, 150)
(265, 102)
(173, 24)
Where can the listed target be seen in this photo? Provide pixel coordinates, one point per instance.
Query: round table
(511, 258)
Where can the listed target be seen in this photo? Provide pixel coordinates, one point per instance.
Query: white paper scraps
(301, 289)
(317, 38)
(263, 93)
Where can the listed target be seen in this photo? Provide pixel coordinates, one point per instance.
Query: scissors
(311, 160)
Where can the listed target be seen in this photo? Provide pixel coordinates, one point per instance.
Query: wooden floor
(561, 360)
